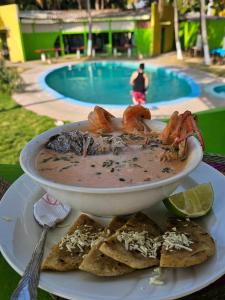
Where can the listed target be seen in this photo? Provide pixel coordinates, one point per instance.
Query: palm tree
(161, 5)
(207, 59)
(176, 30)
(89, 45)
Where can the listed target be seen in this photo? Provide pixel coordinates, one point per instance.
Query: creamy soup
(137, 163)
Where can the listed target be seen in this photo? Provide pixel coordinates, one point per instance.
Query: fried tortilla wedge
(68, 253)
(134, 244)
(197, 245)
(98, 263)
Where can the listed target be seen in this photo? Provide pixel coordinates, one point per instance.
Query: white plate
(18, 237)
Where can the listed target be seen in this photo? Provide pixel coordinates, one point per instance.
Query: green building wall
(215, 29)
(38, 40)
(46, 40)
(143, 41)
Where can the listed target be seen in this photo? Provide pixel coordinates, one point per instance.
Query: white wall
(27, 28)
(123, 25)
(72, 27)
(78, 27)
(100, 26)
(47, 27)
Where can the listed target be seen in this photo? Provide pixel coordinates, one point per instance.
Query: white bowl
(107, 201)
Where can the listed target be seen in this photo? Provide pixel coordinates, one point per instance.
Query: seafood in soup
(112, 155)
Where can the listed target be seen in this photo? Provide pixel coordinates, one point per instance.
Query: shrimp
(165, 135)
(133, 119)
(175, 134)
(100, 120)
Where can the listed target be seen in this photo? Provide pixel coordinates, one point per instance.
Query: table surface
(47, 50)
(9, 173)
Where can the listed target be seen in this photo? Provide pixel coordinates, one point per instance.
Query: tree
(89, 45)
(207, 59)
(176, 31)
(161, 6)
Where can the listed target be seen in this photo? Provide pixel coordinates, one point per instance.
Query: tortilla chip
(115, 249)
(60, 258)
(202, 245)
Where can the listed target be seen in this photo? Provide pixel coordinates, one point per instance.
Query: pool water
(107, 83)
(220, 89)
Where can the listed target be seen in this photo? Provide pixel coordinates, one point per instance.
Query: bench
(78, 49)
(43, 52)
(126, 47)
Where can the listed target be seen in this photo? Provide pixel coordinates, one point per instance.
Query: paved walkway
(40, 101)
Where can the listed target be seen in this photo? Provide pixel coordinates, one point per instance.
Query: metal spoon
(47, 212)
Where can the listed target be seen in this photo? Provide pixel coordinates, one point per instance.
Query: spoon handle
(27, 286)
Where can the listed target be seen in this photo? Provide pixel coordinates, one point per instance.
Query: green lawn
(212, 125)
(218, 70)
(17, 127)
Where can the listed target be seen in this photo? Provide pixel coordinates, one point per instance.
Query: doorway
(4, 49)
(163, 36)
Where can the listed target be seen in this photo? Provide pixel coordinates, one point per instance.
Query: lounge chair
(197, 49)
(219, 53)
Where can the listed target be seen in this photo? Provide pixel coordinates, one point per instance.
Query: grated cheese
(157, 279)
(141, 242)
(157, 271)
(174, 240)
(7, 219)
(81, 239)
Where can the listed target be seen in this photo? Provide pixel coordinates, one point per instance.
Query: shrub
(10, 80)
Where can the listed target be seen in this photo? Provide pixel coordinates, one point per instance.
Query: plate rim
(43, 285)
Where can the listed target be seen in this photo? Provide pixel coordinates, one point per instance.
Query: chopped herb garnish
(98, 173)
(122, 179)
(107, 163)
(46, 159)
(137, 166)
(134, 158)
(166, 170)
(65, 158)
(112, 170)
(64, 168)
(56, 159)
(135, 137)
(106, 135)
(152, 146)
(45, 169)
(147, 179)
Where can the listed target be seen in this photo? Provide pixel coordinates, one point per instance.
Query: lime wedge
(192, 203)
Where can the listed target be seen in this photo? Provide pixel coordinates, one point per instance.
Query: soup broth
(136, 164)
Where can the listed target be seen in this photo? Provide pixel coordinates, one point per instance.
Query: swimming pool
(217, 90)
(220, 89)
(107, 83)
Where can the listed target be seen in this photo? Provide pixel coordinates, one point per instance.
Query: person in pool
(140, 82)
